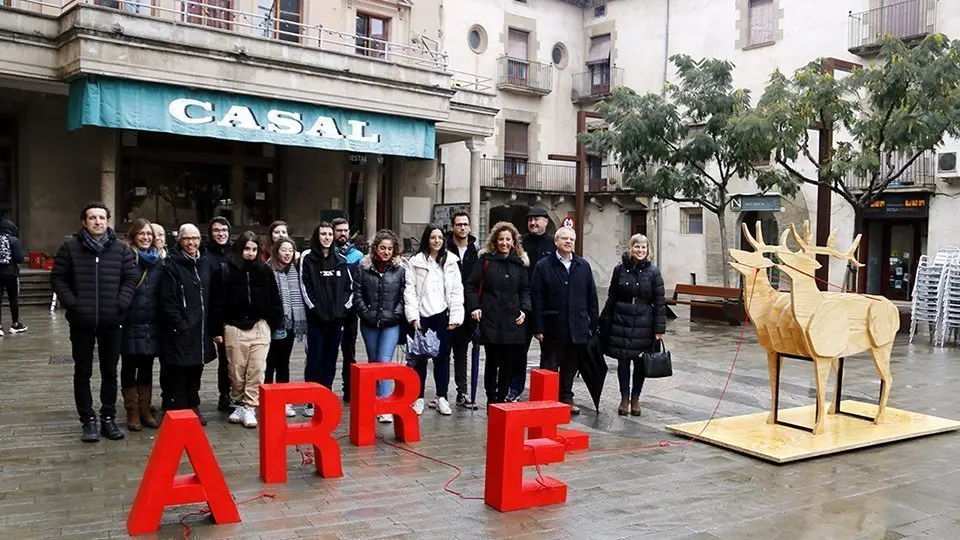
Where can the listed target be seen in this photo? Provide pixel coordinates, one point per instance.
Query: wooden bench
(727, 306)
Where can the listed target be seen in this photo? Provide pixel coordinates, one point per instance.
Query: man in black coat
(218, 247)
(94, 278)
(565, 311)
(11, 256)
(464, 244)
(538, 245)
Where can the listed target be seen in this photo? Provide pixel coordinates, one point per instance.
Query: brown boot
(146, 416)
(131, 405)
(624, 403)
(635, 406)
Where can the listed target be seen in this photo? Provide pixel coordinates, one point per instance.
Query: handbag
(656, 363)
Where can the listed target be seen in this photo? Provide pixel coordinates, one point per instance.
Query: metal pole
(581, 166)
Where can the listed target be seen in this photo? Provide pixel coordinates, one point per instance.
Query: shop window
(598, 63)
(212, 13)
(281, 19)
(691, 221)
(761, 21)
(372, 35)
(130, 6)
(517, 59)
(8, 169)
(515, 154)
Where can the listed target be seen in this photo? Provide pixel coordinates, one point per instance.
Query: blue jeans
(441, 364)
(323, 342)
(380, 344)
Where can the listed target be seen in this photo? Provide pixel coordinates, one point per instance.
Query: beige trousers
(247, 359)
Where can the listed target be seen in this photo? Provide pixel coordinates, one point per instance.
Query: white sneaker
(385, 418)
(289, 410)
(418, 406)
(1, 332)
(236, 416)
(249, 417)
(433, 403)
(307, 411)
(443, 407)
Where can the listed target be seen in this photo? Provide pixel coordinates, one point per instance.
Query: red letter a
(365, 405)
(161, 487)
(276, 434)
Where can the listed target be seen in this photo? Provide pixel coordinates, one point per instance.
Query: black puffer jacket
(95, 289)
(537, 246)
(11, 269)
(141, 329)
(187, 315)
(248, 295)
(327, 284)
(506, 292)
(378, 299)
(470, 256)
(635, 309)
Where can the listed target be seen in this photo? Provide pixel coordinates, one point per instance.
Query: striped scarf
(294, 314)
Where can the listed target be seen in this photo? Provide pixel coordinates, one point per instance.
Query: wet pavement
(52, 485)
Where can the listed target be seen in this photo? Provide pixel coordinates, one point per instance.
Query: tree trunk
(851, 278)
(721, 216)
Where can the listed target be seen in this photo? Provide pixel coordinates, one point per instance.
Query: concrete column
(371, 188)
(108, 173)
(474, 146)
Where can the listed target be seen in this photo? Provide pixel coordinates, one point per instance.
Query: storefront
(187, 155)
(895, 235)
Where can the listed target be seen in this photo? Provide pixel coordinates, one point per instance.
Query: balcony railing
(920, 174)
(461, 80)
(518, 174)
(524, 76)
(265, 23)
(596, 84)
(605, 178)
(907, 20)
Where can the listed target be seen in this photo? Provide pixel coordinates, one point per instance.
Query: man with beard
(538, 244)
(348, 344)
(217, 248)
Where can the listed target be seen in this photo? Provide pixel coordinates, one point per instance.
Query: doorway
(357, 171)
(893, 251)
(770, 230)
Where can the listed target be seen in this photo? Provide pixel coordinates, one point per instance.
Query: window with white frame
(761, 15)
(691, 221)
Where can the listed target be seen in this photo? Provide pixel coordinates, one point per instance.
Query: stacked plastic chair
(928, 292)
(948, 328)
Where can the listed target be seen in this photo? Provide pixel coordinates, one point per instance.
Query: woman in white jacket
(433, 300)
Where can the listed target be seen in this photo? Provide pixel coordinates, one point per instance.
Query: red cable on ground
(187, 530)
(446, 486)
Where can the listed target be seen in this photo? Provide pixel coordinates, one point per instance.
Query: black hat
(537, 212)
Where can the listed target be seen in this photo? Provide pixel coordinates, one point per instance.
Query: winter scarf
(294, 314)
(94, 245)
(148, 258)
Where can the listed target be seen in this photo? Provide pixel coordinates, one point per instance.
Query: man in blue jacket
(348, 343)
(565, 311)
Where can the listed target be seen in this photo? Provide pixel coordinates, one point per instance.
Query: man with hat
(538, 244)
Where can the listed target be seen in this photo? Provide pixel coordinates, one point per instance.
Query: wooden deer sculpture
(808, 322)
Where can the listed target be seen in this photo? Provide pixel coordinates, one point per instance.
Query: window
(598, 62)
(600, 11)
(477, 39)
(691, 221)
(515, 154)
(559, 55)
(130, 6)
(280, 19)
(372, 35)
(517, 64)
(761, 21)
(212, 13)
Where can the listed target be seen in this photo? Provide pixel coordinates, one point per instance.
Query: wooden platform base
(750, 434)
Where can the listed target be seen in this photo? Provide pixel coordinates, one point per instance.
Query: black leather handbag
(656, 363)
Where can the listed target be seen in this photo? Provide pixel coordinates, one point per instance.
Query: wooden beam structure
(581, 160)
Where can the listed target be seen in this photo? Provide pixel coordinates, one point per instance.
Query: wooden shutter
(515, 139)
(600, 47)
(517, 41)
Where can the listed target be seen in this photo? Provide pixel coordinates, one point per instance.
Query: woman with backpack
(251, 310)
(433, 300)
(11, 256)
(141, 334)
(378, 303)
(294, 326)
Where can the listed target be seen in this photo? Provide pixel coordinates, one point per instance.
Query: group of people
(246, 302)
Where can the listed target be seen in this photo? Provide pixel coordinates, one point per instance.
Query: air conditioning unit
(948, 167)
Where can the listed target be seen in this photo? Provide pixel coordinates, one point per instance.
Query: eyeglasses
(144, 234)
(220, 230)
(190, 238)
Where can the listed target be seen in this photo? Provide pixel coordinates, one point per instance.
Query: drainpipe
(663, 93)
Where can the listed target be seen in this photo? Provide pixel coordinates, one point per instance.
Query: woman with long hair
(294, 326)
(277, 230)
(497, 296)
(378, 302)
(251, 311)
(633, 318)
(433, 300)
(141, 336)
(327, 285)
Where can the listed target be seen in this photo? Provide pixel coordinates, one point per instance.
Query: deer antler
(809, 247)
(758, 243)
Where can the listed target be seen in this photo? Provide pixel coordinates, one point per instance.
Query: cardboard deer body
(807, 322)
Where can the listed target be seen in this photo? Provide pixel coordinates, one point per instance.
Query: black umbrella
(593, 369)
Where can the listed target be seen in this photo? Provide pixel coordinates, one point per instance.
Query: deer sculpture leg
(835, 403)
(822, 368)
(881, 358)
(772, 368)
